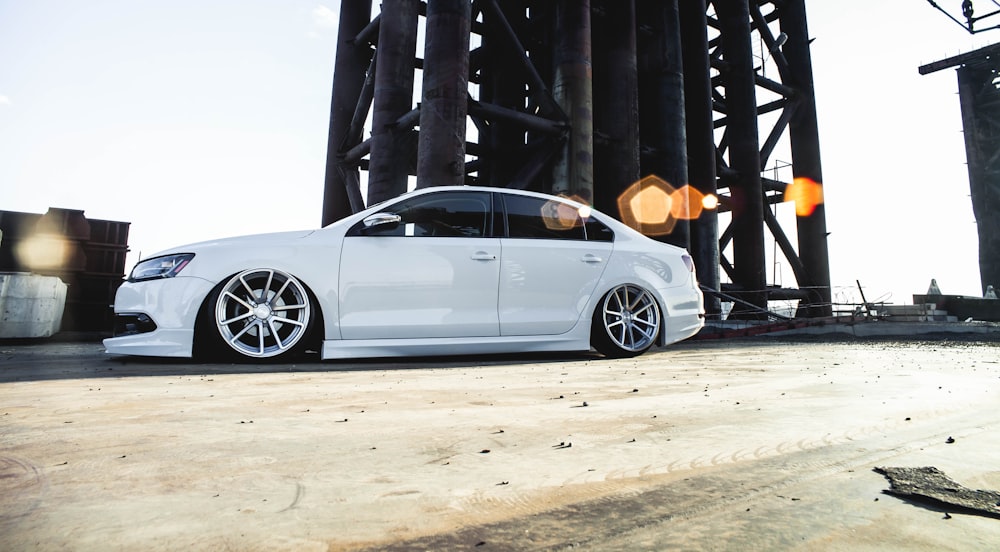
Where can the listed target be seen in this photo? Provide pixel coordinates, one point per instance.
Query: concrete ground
(748, 445)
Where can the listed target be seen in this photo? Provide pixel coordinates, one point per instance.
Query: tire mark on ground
(662, 500)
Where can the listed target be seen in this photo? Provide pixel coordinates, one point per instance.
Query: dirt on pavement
(750, 445)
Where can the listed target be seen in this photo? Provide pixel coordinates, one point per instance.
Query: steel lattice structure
(587, 98)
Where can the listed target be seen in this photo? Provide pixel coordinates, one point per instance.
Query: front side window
(450, 214)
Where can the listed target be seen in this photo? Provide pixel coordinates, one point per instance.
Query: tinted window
(598, 231)
(451, 214)
(531, 217)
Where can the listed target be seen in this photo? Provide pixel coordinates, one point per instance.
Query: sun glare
(43, 252)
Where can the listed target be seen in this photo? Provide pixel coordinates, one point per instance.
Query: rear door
(549, 268)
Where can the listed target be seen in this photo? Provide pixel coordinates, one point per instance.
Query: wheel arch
(602, 291)
(205, 344)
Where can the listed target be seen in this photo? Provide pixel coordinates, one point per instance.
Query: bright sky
(201, 119)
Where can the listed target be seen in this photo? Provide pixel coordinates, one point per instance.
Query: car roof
(515, 191)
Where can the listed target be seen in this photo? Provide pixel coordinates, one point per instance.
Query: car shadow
(36, 361)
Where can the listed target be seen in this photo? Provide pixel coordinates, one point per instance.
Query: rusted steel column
(390, 153)
(803, 133)
(616, 105)
(443, 110)
(348, 79)
(975, 88)
(744, 154)
(661, 97)
(503, 84)
(573, 90)
(700, 145)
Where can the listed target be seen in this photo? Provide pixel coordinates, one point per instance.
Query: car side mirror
(381, 221)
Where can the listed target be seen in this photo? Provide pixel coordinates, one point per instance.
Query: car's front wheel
(263, 313)
(626, 322)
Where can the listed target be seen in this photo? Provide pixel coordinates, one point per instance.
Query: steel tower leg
(504, 81)
(616, 105)
(745, 187)
(573, 90)
(803, 133)
(701, 145)
(980, 99)
(348, 79)
(662, 103)
(391, 152)
(443, 111)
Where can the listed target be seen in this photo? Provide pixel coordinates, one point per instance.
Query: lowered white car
(437, 271)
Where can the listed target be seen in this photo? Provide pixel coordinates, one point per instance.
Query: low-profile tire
(626, 323)
(262, 313)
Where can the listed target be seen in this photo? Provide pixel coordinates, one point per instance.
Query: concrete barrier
(30, 305)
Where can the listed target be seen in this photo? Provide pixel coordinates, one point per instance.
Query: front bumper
(171, 305)
(159, 343)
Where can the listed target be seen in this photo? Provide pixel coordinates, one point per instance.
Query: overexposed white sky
(201, 119)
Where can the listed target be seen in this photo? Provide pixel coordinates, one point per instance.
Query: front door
(433, 274)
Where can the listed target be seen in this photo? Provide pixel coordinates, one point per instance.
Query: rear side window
(598, 231)
(531, 217)
(536, 218)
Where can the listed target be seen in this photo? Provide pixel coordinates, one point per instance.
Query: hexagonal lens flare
(557, 215)
(653, 207)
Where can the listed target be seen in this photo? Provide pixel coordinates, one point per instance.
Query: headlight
(166, 266)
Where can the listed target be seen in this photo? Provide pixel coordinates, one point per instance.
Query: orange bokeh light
(807, 195)
(647, 206)
(563, 216)
(653, 207)
(688, 203)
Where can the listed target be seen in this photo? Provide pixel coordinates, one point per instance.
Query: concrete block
(30, 305)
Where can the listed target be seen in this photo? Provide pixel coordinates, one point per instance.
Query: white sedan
(438, 271)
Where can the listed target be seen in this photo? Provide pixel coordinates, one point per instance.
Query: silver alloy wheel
(631, 318)
(262, 312)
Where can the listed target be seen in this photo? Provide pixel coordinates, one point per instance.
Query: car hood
(239, 241)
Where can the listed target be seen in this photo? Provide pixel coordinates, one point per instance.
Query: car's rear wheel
(626, 322)
(263, 313)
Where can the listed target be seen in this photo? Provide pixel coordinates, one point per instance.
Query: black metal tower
(603, 100)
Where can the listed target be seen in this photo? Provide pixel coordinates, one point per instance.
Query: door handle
(483, 256)
(590, 258)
